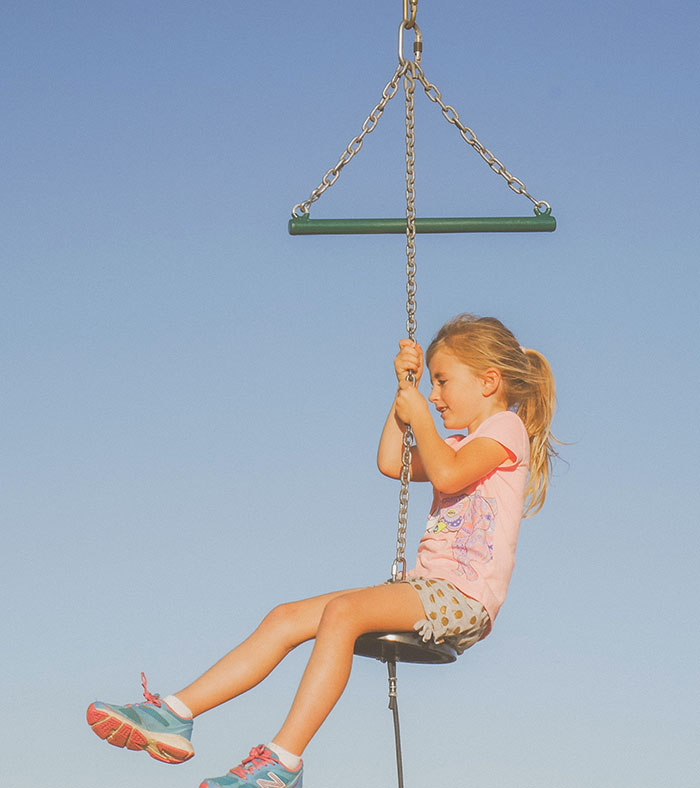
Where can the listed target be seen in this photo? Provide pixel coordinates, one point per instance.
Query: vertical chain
(398, 569)
(410, 87)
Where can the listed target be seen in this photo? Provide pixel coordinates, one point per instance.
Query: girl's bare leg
(281, 630)
(345, 617)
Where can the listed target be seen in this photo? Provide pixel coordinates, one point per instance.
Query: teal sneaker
(261, 768)
(151, 726)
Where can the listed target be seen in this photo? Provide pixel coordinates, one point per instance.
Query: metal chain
(451, 116)
(398, 568)
(390, 90)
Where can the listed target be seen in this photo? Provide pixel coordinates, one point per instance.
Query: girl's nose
(433, 396)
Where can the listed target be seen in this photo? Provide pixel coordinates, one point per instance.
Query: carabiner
(417, 44)
(410, 8)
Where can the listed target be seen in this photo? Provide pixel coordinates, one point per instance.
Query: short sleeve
(508, 429)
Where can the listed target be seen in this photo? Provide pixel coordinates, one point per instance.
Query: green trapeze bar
(540, 223)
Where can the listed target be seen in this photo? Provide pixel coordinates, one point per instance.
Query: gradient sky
(192, 398)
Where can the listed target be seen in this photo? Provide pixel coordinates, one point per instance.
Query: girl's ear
(490, 382)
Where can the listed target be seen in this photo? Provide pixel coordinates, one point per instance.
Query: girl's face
(461, 397)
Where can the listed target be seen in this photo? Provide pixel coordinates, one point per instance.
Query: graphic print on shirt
(468, 521)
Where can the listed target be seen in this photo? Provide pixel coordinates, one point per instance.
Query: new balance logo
(273, 782)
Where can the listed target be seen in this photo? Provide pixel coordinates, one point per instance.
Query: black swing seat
(403, 647)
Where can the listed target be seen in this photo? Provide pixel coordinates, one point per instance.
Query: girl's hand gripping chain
(408, 359)
(409, 402)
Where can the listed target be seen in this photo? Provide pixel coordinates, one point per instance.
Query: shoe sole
(211, 782)
(122, 732)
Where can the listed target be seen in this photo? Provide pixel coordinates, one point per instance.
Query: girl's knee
(340, 613)
(283, 619)
(291, 622)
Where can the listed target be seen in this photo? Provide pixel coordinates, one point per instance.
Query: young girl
(502, 395)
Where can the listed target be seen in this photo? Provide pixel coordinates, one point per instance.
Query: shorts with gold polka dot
(450, 616)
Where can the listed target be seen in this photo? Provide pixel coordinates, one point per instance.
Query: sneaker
(260, 768)
(151, 726)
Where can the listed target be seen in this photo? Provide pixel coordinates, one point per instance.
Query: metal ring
(543, 208)
(417, 45)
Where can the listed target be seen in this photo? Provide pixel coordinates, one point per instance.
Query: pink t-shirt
(471, 536)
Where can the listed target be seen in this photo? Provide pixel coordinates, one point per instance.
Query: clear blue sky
(191, 398)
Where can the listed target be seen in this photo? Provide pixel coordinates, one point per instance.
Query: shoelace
(248, 765)
(154, 699)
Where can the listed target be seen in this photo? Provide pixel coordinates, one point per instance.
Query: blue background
(192, 398)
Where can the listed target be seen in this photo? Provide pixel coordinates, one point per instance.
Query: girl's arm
(449, 470)
(391, 450)
(452, 471)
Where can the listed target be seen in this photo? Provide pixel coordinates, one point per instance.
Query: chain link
(355, 145)
(451, 116)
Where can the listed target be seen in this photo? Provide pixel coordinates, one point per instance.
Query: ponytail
(536, 409)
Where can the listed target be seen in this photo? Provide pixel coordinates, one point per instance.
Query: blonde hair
(484, 343)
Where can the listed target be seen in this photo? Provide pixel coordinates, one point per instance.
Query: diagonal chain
(451, 116)
(355, 145)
